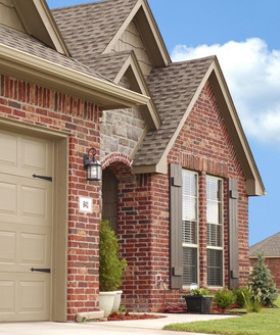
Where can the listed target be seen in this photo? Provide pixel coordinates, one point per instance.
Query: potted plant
(199, 301)
(111, 269)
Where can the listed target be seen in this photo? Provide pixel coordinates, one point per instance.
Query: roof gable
(269, 246)
(36, 20)
(115, 66)
(106, 22)
(175, 90)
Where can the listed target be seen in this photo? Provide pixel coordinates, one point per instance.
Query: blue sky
(244, 34)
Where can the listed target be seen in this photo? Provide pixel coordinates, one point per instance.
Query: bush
(111, 266)
(261, 283)
(224, 298)
(242, 295)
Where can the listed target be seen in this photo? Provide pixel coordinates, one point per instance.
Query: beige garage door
(25, 227)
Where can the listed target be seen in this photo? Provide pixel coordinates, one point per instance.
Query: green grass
(266, 322)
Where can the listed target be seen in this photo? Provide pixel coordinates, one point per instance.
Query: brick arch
(114, 158)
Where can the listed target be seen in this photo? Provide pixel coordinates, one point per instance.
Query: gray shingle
(26, 43)
(88, 29)
(172, 89)
(270, 246)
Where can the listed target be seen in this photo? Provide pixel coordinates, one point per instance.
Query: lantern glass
(94, 171)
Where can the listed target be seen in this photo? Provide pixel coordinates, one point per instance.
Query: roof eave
(105, 94)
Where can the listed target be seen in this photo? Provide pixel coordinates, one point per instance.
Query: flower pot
(106, 302)
(199, 304)
(117, 301)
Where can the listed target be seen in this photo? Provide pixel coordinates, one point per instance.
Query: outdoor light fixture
(92, 165)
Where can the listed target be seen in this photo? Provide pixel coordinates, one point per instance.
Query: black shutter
(233, 234)
(176, 247)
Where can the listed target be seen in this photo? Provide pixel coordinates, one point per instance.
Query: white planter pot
(106, 302)
(117, 301)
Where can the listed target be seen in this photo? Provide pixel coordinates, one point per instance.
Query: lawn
(266, 322)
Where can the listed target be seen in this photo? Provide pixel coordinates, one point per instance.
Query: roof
(172, 89)
(38, 61)
(88, 36)
(269, 246)
(91, 35)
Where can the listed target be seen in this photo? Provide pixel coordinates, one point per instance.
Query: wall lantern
(93, 166)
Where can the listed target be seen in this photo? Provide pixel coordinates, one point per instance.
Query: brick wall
(26, 103)
(203, 145)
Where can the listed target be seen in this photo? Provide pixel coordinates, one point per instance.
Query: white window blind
(214, 214)
(190, 227)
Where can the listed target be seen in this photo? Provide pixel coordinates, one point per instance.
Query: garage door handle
(40, 270)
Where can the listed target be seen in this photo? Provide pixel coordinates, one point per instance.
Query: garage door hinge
(42, 177)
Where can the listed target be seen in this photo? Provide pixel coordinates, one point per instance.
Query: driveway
(148, 326)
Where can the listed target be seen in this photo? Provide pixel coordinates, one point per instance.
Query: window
(190, 227)
(214, 231)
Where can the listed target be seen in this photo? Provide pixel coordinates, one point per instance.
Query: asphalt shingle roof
(26, 43)
(172, 89)
(88, 29)
(270, 246)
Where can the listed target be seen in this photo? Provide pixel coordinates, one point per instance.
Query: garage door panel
(32, 296)
(34, 156)
(7, 293)
(34, 202)
(8, 149)
(8, 198)
(31, 242)
(7, 247)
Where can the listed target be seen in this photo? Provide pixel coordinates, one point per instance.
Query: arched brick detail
(116, 157)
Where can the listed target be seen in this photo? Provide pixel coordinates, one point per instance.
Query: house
(271, 249)
(177, 168)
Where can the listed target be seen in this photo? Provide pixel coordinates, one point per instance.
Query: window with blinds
(190, 227)
(214, 190)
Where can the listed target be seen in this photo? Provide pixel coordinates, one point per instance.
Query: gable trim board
(148, 28)
(29, 67)
(38, 21)
(138, 84)
(214, 75)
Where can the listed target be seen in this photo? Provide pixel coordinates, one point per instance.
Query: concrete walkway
(140, 327)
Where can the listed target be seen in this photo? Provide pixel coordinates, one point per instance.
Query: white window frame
(221, 224)
(189, 244)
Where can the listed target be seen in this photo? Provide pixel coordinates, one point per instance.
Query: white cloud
(252, 73)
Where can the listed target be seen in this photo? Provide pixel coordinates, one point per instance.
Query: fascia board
(105, 94)
(132, 62)
(38, 21)
(255, 185)
(153, 27)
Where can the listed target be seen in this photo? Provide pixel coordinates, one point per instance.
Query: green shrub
(261, 283)
(224, 298)
(242, 295)
(111, 266)
(252, 303)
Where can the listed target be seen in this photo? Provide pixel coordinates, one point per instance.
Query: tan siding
(131, 39)
(8, 15)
